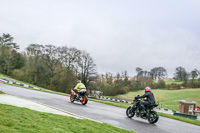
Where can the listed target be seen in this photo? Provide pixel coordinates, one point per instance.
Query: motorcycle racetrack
(103, 113)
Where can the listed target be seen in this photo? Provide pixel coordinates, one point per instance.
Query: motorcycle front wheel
(85, 100)
(130, 112)
(153, 117)
(71, 99)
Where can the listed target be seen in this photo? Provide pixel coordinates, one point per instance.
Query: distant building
(187, 106)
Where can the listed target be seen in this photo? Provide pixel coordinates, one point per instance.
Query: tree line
(121, 83)
(58, 68)
(55, 68)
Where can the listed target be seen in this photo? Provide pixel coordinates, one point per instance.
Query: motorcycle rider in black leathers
(149, 101)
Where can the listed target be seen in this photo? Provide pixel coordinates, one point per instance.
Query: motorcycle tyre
(71, 99)
(156, 119)
(128, 114)
(85, 100)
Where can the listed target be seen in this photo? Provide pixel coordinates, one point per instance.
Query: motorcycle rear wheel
(153, 117)
(130, 112)
(71, 99)
(85, 100)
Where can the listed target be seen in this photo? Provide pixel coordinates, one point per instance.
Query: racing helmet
(79, 81)
(147, 89)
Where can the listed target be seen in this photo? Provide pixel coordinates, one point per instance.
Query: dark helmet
(147, 89)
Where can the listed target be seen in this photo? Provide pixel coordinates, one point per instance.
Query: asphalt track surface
(101, 112)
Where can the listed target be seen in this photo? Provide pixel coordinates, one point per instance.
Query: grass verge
(187, 120)
(2, 92)
(16, 119)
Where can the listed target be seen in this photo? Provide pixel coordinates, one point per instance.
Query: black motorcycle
(149, 113)
(79, 95)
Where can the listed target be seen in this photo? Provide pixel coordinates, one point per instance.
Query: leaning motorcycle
(149, 113)
(80, 96)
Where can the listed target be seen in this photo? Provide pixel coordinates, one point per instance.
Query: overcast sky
(119, 34)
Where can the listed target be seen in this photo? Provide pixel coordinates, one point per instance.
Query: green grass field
(173, 81)
(23, 120)
(168, 98)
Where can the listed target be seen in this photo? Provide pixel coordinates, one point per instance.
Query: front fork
(133, 108)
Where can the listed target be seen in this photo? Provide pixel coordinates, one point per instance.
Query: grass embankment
(168, 98)
(2, 92)
(1, 75)
(15, 119)
(18, 81)
(187, 120)
(41, 89)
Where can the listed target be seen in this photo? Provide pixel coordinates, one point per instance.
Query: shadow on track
(140, 121)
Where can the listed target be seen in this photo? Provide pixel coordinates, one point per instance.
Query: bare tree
(109, 77)
(138, 71)
(85, 68)
(69, 57)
